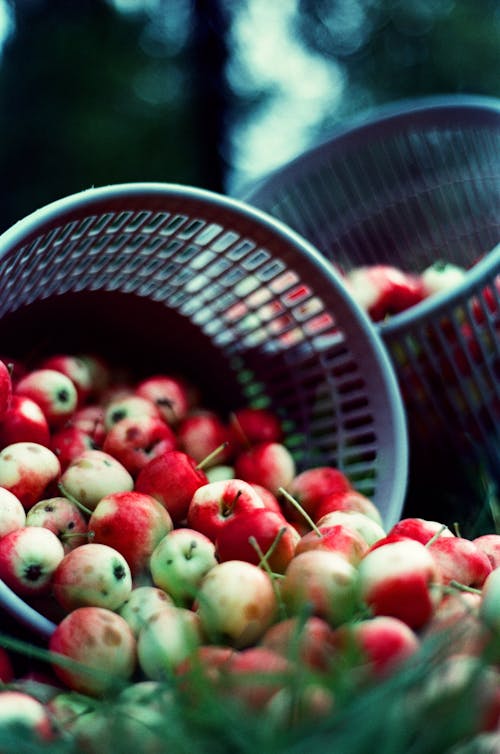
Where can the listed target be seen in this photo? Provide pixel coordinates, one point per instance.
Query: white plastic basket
(174, 277)
(416, 182)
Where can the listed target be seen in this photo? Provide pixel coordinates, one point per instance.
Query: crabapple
(269, 464)
(92, 575)
(254, 674)
(5, 389)
(27, 469)
(142, 604)
(323, 582)
(251, 426)
(383, 289)
(459, 559)
(213, 504)
(23, 712)
(63, 518)
(313, 485)
(490, 544)
(337, 538)
(132, 523)
(103, 644)
(54, 392)
(99, 371)
(129, 406)
(77, 369)
(29, 558)
(420, 529)
(93, 475)
(172, 478)
(137, 440)
(236, 602)
(275, 538)
(24, 421)
(90, 420)
(361, 523)
(401, 579)
(200, 433)
(12, 513)
(167, 639)
(180, 561)
(68, 443)
(348, 501)
(169, 394)
(382, 643)
(309, 641)
(270, 501)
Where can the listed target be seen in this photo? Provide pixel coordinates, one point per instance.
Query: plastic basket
(174, 277)
(416, 182)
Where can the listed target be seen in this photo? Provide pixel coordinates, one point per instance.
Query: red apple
(103, 645)
(69, 443)
(348, 500)
(401, 579)
(27, 469)
(252, 426)
(254, 674)
(269, 464)
(12, 513)
(312, 486)
(29, 558)
(215, 503)
(77, 369)
(273, 535)
(270, 501)
(382, 289)
(420, 529)
(200, 433)
(135, 441)
(170, 395)
(5, 389)
(53, 391)
(338, 538)
(490, 545)
(308, 641)
(63, 518)
(459, 559)
(90, 420)
(24, 715)
(132, 523)
(92, 475)
(129, 406)
(172, 478)
(24, 422)
(142, 604)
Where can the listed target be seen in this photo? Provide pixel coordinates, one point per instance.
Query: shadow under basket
(413, 183)
(166, 277)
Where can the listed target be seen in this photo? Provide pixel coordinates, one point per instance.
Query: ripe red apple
(180, 561)
(269, 464)
(347, 501)
(361, 523)
(458, 559)
(170, 395)
(254, 674)
(401, 579)
(323, 582)
(53, 391)
(382, 289)
(63, 518)
(103, 644)
(90, 420)
(236, 603)
(420, 529)
(200, 433)
(77, 369)
(92, 575)
(129, 406)
(27, 469)
(5, 389)
(132, 523)
(24, 421)
(490, 545)
(172, 478)
(270, 501)
(308, 641)
(274, 536)
(251, 426)
(12, 513)
(456, 620)
(214, 503)
(69, 443)
(338, 538)
(29, 558)
(312, 486)
(381, 644)
(135, 441)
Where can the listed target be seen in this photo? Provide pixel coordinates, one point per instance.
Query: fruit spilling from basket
(171, 544)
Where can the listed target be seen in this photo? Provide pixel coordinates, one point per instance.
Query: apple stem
(436, 535)
(73, 499)
(456, 528)
(263, 563)
(463, 587)
(228, 509)
(210, 457)
(301, 510)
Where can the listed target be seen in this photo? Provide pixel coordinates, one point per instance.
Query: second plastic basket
(414, 183)
(172, 277)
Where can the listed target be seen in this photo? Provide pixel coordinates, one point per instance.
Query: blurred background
(212, 93)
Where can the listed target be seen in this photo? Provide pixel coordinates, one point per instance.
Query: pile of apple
(163, 539)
